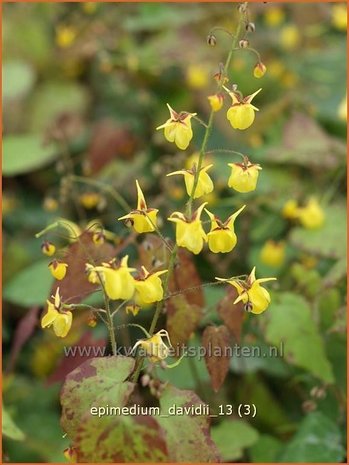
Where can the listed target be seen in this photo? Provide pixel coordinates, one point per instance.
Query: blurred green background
(84, 87)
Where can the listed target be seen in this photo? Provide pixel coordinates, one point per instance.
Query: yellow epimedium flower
(197, 77)
(216, 101)
(143, 219)
(244, 176)
(222, 237)
(60, 319)
(255, 297)
(204, 184)
(273, 253)
(90, 200)
(312, 215)
(48, 248)
(339, 16)
(189, 232)
(274, 16)
(148, 287)
(58, 269)
(117, 279)
(290, 209)
(154, 347)
(178, 129)
(242, 113)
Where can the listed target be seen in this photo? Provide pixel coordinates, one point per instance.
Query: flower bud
(242, 7)
(58, 269)
(259, 70)
(92, 320)
(244, 43)
(211, 40)
(48, 248)
(250, 27)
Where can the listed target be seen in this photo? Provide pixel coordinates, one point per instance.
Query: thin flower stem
(110, 190)
(159, 233)
(200, 121)
(226, 151)
(219, 28)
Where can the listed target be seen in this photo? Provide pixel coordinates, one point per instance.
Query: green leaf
(30, 286)
(9, 428)
(290, 323)
(265, 450)
(232, 437)
(336, 273)
(54, 98)
(18, 79)
(25, 153)
(317, 440)
(329, 240)
(187, 436)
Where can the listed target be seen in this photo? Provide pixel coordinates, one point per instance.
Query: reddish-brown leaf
(182, 319)
(75, 286)
(232, 315)
(24, 330)
(186, 277)
(109, 141)
(215, 340)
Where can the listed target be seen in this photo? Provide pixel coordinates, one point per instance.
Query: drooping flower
(189, 231)
(273, 253)
(222, 237)
(204, 184)
(154, 347)
(178, 129)
(290, 209)
(259, 70)
(48, 248)
(60, 319)
(58, 269)
(312, 215)
(255, 297)
(148, 287)
(117, 279)
(143, 219)
(242, 113)
(216, 101)
(244, 176)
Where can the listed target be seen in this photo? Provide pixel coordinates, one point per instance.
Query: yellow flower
(48, 248)
(339, 16)
(222, 237)
(133, 308)
(90, 200)
(154, 347)
(189, 232)
(342, 109)
(311, 215)
(50, 204)
(290, 37)
(143, 219)
(58, 269)
(244, 176)
(259, 70)
(274, 16)
(98, 238)
(178, 129)
(204, 185)
(255, 297)
(197, 76)
(57, 316)
(117, 280)
(65, 36)
(273, 253)
(148, 287)
(242, 113)
(290, 209)
(216, 101)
